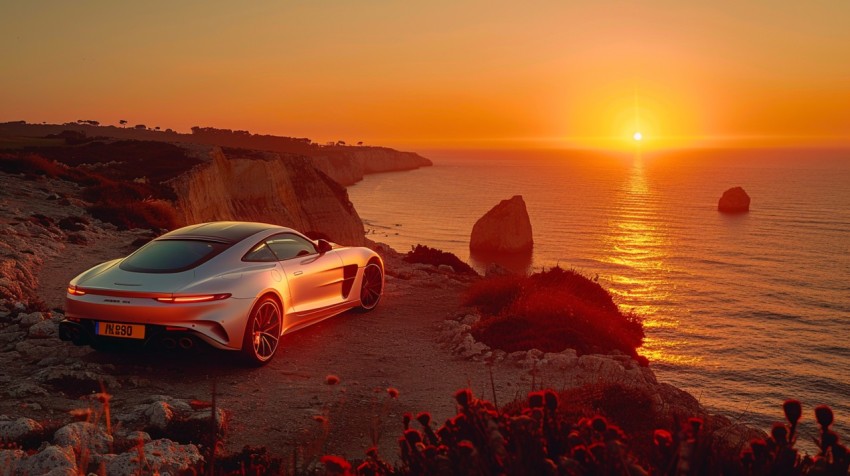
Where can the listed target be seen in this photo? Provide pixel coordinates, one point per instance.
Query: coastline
(363, 351)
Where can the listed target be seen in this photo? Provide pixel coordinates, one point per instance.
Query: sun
(638, 136)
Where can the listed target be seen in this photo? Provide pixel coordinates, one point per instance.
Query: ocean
(743, 311)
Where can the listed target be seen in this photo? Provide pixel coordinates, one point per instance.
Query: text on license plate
(114, 329)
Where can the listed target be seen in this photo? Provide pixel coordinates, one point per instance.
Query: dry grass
(125, 204)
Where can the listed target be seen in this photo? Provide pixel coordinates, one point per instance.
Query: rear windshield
(171, 256)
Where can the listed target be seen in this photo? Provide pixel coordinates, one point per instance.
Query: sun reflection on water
(637, 253)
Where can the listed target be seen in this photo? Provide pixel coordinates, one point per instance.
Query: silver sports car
(234, 285)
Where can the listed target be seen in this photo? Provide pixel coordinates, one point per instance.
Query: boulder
(506, 228)
(11, 462)
(53, 461)
(164, 455)
(15, 430)
(43, 330)
(734, 200)
(83, 434)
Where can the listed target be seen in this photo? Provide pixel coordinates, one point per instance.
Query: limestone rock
(11, 462)
(162, 455)
(26, 389)
(52, 461)
(159, 415)
(734, 200)
(31, 319)
(13, 430)
(43, 330)
(287, 191)
(506, 228)
(83, 434)
(347, 165)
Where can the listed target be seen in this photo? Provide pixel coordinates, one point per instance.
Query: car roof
(221, 231)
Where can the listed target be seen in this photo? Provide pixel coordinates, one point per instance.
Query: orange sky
(441, 73)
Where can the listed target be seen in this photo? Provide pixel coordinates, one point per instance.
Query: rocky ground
(338, 387)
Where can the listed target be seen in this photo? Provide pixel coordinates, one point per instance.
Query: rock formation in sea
(506, 228)
(734, 200)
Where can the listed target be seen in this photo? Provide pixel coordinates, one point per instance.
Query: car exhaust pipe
(186, 343)
(168, 343)
(71, 331)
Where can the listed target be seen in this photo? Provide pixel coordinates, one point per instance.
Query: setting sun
(638, 136)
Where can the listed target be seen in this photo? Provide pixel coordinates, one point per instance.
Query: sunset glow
(638, 136)
(440, 74)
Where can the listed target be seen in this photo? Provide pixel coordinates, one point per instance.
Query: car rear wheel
(371, 287)
(262, 332)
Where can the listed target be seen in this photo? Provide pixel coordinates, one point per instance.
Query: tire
(262, 332)
(371, 287)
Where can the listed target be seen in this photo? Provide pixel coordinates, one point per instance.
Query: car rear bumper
(218, 323)
(83, 333)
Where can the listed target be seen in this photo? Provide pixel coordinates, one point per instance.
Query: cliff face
(286, 191)
(348, 165)
(345, 164)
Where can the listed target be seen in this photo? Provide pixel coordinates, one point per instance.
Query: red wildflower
(823, 414)
(392, 392)
(336, 465)
(331, 379)
(464, 397)
(662, 438)
(793, 410)
(424, 418)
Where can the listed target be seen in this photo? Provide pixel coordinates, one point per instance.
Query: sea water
(743, 311)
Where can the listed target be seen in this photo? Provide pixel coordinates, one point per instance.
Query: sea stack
(506, 228)
(734, 200)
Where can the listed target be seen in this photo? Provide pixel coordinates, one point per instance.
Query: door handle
(298, 273)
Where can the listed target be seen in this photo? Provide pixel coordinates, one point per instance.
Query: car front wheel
(262, 333)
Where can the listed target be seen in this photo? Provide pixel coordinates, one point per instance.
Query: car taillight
(75, 290)
(191, 299)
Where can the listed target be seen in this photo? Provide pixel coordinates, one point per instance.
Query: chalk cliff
(344, 164)
(348, 165)
(266, 187)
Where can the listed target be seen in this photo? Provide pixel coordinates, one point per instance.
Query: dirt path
(395, 346)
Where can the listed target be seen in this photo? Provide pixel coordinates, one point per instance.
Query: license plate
(114, 329)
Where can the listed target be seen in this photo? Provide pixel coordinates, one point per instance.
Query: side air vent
(348, 274)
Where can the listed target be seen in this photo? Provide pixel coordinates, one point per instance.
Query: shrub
(73, 223)
(552, 311)
(155, 214)
(560, 433)
(494, 295)
(426, 255)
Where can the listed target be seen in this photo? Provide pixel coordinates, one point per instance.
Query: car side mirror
(324, 246)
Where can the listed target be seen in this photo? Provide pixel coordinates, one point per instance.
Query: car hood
(110, 276)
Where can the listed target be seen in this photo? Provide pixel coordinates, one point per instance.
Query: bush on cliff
(552, 311)
(126, 215)
(434, 257)
(125, 204)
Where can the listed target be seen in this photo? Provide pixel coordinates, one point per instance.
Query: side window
(290, 246)
(261, 252)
